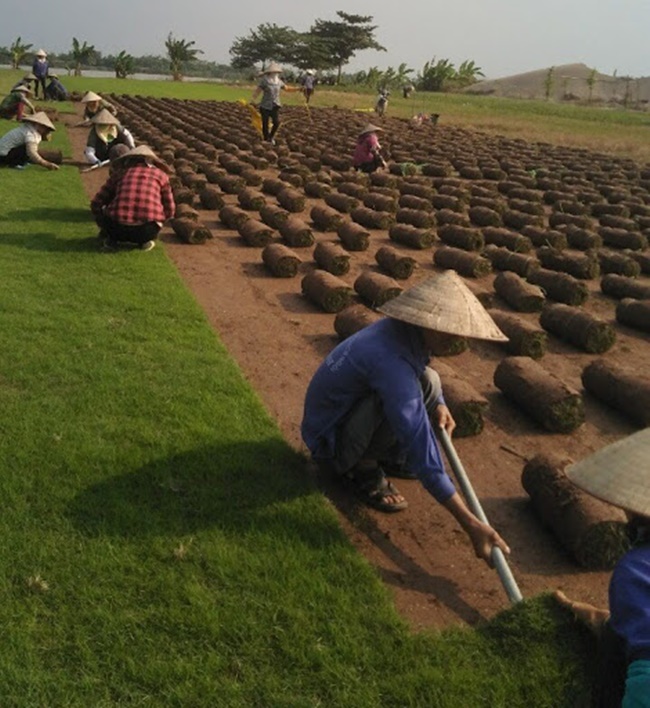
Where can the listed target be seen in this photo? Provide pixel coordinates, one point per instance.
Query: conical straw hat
(41, 53)
(104, 117)
(370, 128)
(142, 151)
(29, 77)
(41, 118)
(91, 96)
(444, 303)
(618, 474)
(23, 89)
(273, 68)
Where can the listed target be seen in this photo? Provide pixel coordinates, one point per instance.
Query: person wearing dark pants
(270, 86)
(135, 201)
(19, 146)
(40, 68)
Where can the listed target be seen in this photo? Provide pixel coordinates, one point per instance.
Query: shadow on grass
(235, 487)
(50, 242)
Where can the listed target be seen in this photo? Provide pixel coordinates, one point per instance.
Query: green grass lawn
(161, 544)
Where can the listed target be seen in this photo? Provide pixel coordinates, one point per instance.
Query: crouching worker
(16, 104)
(367, 153)
(374, 399)
(106, 133)
(55, 90)
(620, 475)
(135, 201)
(19, 146)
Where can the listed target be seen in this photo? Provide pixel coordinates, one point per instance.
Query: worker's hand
(51, 166)
(591, 616)
(444, 419)
(484, 538)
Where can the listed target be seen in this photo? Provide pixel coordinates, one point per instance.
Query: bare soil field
(278, 336)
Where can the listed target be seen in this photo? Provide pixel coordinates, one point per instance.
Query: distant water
(99, 74)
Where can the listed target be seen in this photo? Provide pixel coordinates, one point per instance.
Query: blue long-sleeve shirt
(387, 357)
(629, 601)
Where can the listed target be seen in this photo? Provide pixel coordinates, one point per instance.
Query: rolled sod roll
(625, 390)
(352, 189)
(554, 405)
(504, 259)
(184, 195)
(417, 190)
(582, 239)
(273, 215)
(466, 263)
(484, 216)
(326, 219)
(643, 259)
(634, 313)
(214, 174)
(619, 286)
(382, 179)
(451, 346)
(594, 532)
(251, 199)
(51, 155)
(618, 263)
(185, 211)
(560, 287)
(273, 186)
(466, 404)
(510, 239)
(447, 216)
(352, 319)
(545, 237)
(584, 266)
(316, 189)
(341, 202)
(447, 201)
(255, 233)
(621, 238)
(231, 184)
(468, 239)
(618, 222)
(410, 201)
(376, 289)
(415, 217)
(411, 236)
(291, 200)
(578, 327)
(211, 197)
(296, 232)
(519, 294)
(372, 219)
(191, 231)
(395, 263)
(524, 339)
(519, 219)
(326, 290)
(558, 219)
(380, 202)
(332, 258)
(233, 217)
(280, 260)
(353, 236)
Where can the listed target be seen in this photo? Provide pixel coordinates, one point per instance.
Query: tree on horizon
(179, 51)
(81, 54)
(18, 51)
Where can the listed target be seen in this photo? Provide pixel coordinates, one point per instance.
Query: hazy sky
(502, 36)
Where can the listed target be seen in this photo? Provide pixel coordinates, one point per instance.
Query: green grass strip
(161, 544)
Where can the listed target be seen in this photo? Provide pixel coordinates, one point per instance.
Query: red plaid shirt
(136, 196)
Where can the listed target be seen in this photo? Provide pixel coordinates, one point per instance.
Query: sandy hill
(568, 82)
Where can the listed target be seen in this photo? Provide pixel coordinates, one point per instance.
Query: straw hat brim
(142, 151)
(104, 117)
(23, 89)
(273, 69)
(41, 53)
(619, 474)
(370, 128)
(40, 118)
(444, 303)
(90, 96)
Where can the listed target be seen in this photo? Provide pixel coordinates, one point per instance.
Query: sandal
(373, 487)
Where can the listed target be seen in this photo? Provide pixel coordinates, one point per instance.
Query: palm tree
(468, 73)
(81, 54)
(123, 65)
(179, 51)
(18, 50)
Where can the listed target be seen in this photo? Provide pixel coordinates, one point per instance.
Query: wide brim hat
(618, 474)
(142, 151)
(29, 77)
(40, 118)
(370, 128)
(90, 96)
(444, 303)
(104, 117)
(41, 53)
(273, 68)
(23, 89)
(50, 75)
(310, 72)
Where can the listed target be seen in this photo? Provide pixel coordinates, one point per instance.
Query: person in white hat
(135, 201)
(40, 68)
(367, 155)
(620, 475)
(375, 398)
(105, 133)
(16, 104)
(19, 146)
(93, 103)
(270, 85)
(308, 84)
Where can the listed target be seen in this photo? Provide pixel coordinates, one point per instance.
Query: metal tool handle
(498, 558)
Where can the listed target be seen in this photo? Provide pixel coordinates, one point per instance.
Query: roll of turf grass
(375, 288)
(332, 258)
(395, 263)
(190, 231)
(326, 290)
(354, 318)
(524, 339)
(578, 327)
(280, 260)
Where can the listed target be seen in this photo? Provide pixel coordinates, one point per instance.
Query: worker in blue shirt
(374, 398)
(620, 475)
